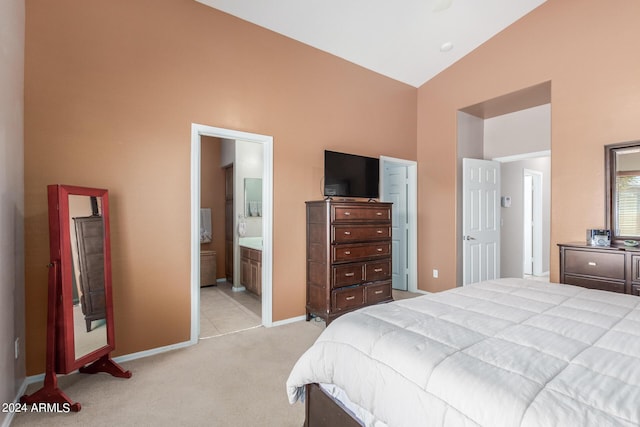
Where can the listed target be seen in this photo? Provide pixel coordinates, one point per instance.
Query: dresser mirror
(622, 167)
(80, 332)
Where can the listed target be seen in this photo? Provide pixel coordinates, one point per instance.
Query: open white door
(395, 191)
(398, 184)
(481, 220)
(533, 222)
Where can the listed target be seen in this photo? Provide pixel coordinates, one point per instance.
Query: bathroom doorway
(230, 235)
(265, 219)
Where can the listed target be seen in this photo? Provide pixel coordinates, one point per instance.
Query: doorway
(197, 131)
(398, 184)
(532, 222)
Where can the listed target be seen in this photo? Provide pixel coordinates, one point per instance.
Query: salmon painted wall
(587, 49)
(212, 196)
(111, 90)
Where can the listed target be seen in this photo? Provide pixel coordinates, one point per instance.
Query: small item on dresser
(598, 237)
(631, 243)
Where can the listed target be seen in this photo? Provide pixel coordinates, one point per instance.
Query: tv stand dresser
(613, 268)
(348, 256)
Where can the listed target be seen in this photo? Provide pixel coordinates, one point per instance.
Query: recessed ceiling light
(446, 47)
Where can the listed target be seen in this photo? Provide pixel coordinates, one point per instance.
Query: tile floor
(223, 311)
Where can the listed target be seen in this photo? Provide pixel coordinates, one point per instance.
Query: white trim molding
(515, 157)
(197, 131)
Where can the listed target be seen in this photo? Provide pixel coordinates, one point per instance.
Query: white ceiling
(400, 39)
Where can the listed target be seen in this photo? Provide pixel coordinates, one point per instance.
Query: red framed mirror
(84, 253)
(80, 331)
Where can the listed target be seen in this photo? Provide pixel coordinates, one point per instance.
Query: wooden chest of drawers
(614, 268)
(348, 256)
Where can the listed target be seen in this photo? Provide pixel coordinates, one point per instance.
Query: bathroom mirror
(252, 197)
(622, 167)
(80, 331)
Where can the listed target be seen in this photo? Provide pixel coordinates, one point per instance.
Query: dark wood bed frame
(322, 410)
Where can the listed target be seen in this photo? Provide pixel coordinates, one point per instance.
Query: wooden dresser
(348, 256)
(90, 251)
(611, 268)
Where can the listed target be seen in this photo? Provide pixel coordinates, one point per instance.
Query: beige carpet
(234, 379)
(230, 380)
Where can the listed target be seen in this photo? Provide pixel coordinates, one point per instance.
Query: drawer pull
(347, 213)
(379, 249)
(379, 231)
(350, 298)
(347, 252)
(378, 292)
(349, 274)
(591, 263)
(377, 270)
(347, 233)
(379, 213)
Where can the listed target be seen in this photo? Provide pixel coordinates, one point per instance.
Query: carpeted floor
(231, 380)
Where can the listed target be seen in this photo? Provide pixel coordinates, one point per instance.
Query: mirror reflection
(86, 226)
(627, 192)
(253, 197)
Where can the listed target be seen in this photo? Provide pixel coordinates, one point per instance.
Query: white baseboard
(125, 358)
(23, 387)
(290, 320)
(152, 352)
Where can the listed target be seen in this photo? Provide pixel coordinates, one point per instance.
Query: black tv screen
(349, 175)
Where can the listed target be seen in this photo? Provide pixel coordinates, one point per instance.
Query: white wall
(12, 371)
(525, 131)
(519, 133)
(512, 232)
(247, 160)
(248, 165)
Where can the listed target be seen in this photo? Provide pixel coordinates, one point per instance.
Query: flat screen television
(350, 175)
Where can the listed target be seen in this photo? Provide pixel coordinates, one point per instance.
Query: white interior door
(395, 190)
(527, 221)
(533, 178)
(481, 220)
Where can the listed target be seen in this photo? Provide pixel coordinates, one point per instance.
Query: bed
(507, 352)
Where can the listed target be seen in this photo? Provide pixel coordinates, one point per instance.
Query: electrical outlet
(17, 347)
(435, 273)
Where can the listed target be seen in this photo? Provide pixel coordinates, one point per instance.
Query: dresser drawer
(635, 269)
(378, 293)
(345, 298)
(343, 253)
(603, 285)
(361, 213)
(347, 274)
(377, 270)
(359, 233)
(591, 263)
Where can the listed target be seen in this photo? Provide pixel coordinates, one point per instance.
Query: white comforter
(507, 352)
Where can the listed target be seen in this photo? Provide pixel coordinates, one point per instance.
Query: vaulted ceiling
(406, 40)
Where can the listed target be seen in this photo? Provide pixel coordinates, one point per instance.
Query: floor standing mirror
(80, 331)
